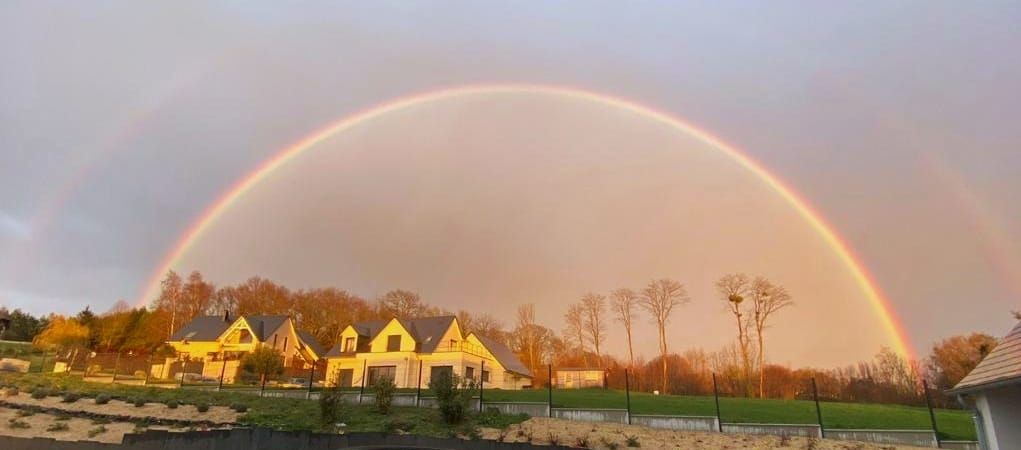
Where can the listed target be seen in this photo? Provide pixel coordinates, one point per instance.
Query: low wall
(14, 365)
(774, 429)
(683, 423)
(917, 438)
(531, 409)
(591, 415)
(960, 445)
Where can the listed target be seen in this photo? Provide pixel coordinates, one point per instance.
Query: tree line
(741, 367)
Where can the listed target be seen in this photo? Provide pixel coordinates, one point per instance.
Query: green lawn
(276, 413)
(953, 424)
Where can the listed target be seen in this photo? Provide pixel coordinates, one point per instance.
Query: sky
(120, 123)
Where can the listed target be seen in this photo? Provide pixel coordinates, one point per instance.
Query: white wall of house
(1000, 410)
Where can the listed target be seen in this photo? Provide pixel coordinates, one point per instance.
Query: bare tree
(733, 288)
(483, 324)
(574, 331)
(623, 303)
(659, 298)
(595, 321)
(402, 304)
(527, 334)
(767, 298)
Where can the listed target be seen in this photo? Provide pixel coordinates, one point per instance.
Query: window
(285, 344)
(345, 378)
(438, 371)
(379, 372)
(393, 343)
(469, 373)
(485, 376)
(349, 344)
(453, 345)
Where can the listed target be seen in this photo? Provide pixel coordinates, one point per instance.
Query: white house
(993, 389)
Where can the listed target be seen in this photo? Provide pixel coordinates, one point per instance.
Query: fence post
(42, 365)
(716, 395)
(482, 382)
(223, 371)
(85, 373)
(932, 414)
(311, 376)
(184, 368)
(818, 410)
(361, 390)
(549, 389)
(116, 362)
(627, 392)
(418, 393)
(148, 370)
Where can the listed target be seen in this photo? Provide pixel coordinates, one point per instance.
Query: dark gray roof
(262, 325)
(311, 342)
(428, 331)
(1001, 366)
(201, 328)
(505, 356)
(370, 328)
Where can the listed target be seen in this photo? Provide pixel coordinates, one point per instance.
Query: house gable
(380, 342)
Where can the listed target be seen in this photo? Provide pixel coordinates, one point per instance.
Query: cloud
(12, 227)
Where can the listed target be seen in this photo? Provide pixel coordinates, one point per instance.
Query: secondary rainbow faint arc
(246, 183)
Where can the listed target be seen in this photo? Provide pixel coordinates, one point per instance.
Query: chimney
(226, 315)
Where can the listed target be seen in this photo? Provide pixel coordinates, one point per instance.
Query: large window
(378, 372)
(393, 343)
(345, 378)
(436, 371)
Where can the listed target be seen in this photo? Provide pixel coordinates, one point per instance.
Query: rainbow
(215, 210)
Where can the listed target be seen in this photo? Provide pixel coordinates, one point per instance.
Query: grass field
(299, 414)
(953, 424)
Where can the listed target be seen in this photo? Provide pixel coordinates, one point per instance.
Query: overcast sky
(121, 121)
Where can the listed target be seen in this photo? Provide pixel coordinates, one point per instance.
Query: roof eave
(984, 386)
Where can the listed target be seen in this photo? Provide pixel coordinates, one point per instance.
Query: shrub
(239, 407)
(554, 439)
(632, 440)
(102, 399)
(202, 407)
(40, 393)
(25, 412)
(100, 421)
(384, 389)
(97, 431)
(453, 396)
(172, 404)
(393, 425)
(138, 402)
(331, 408)
(70, 397)
(18, 424)
(11, 392)
(611, 445)
(58, 426)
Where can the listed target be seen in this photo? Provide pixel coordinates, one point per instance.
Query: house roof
(311, 342)
(202, 328)
(262, 325)
(428, 331)
(999, 367)
(504, 355)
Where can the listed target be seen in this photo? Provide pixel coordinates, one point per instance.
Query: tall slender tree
(574, 331)
(623, 303)
(659, 298)
(594, 306)
(767, 299)
(733, 289)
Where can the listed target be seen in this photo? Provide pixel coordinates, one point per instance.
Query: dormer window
(349, 344)
(393, 343)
